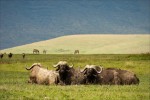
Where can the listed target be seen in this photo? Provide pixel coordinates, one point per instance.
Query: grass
(14, 86)
(89, 44)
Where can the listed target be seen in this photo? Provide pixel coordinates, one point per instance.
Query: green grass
(14, 86)
(89, 44)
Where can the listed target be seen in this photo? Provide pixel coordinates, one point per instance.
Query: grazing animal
(36, 51)
(76, 52)
(40, 75)
(97, 75)
(126, 77)
(1, 55)
(23, 55)
(68, 75)
(10, 55)
(44, 51)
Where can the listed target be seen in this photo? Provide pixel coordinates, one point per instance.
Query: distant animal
(44, 51)
(126, 77)
(68, 75)
(1, 55)
(97, 75)
(76, 52)
(10, 55)
(23, 55)
(41, 75)
(36, 51)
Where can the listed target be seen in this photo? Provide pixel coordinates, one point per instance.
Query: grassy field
(14, 86)
(89, 44)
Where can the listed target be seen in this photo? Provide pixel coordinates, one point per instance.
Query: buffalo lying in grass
(126, 77)
(68, 75)
(42, 76)
(97, 75)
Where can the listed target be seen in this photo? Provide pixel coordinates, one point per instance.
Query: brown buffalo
(42, 76)
(126, 77)
(97, 75)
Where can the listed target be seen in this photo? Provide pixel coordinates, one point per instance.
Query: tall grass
(13, 78)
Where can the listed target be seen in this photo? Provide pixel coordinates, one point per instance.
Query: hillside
(89, 44)
(27, 21)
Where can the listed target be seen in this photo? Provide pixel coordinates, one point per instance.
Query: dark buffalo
(1, 55)
(97, 75)
(23, 55)
(68, 75)
(10, 55)
(126, 77)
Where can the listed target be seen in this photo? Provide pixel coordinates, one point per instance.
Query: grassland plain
(89, 44)
(14, 86)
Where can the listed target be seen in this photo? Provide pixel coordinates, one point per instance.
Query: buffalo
(40, 75)
(23, 55)
(126, 77)
(97, 75)
(1, 55)
(10, 55)
(68, 75)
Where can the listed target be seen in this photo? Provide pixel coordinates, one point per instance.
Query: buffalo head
(91, 70)
(91, 73)
(65, 71)
(62, 67)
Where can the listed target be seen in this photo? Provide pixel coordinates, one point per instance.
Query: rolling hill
(27, 21)
(89, 44)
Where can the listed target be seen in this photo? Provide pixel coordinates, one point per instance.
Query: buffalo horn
(71, 66)
(83, 70)
(100, 70)
(55, 66)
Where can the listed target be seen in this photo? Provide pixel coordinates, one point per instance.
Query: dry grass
(90, 44)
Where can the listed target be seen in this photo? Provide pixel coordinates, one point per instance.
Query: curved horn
(82, 71)
(29, 68)
(87, 66)
(35, 64)
(101, 68)
(71, 66)
(55, 66)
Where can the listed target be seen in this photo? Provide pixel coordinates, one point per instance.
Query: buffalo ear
(58, 68)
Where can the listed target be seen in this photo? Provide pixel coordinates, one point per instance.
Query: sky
(27, 21)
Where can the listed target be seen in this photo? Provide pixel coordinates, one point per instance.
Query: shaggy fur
(42, 76)
(126, 77)
(92, 76)
(68, 75)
